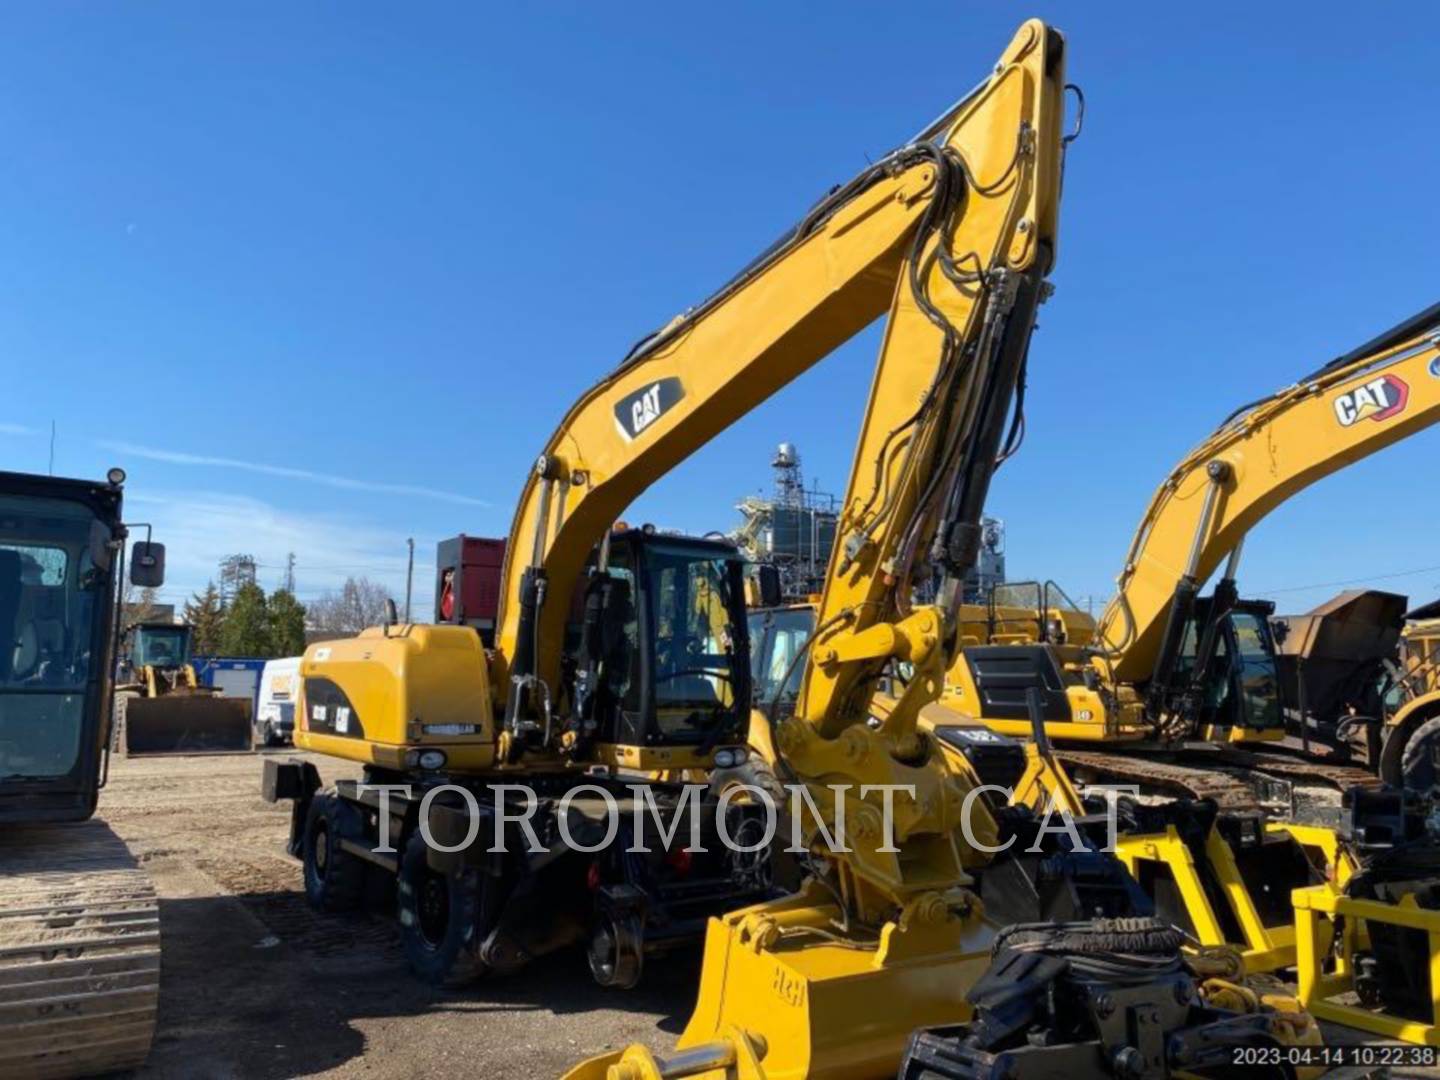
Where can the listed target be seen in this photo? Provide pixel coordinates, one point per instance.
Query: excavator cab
(1223, 683)
(162, 646)
(777, 638)
(58, 542)
(1239, 692)
(662, 658)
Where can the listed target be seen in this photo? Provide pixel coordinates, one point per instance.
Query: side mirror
(147, 564)
(391, 615)
(771, 594)
(1279, 630)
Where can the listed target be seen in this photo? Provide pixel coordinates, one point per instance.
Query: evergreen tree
(206, 619)
(247, 624)
(287, 624)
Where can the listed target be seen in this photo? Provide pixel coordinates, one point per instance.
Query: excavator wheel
(1420, 763)
(754, 772)
(774, 865)
(334, 879)
(438, 914)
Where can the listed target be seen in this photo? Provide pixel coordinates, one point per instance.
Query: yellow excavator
(1179, 691)
(79, 922)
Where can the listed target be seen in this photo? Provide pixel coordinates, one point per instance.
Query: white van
(275, 712)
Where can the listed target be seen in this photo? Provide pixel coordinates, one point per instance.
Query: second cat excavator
(1179, 691)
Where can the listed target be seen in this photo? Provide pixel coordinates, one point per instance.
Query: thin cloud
(16, 429)
(200, 528)
(175, 457)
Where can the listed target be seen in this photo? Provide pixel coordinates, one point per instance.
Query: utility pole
(51, 469)
(409, 577)
(290, 573)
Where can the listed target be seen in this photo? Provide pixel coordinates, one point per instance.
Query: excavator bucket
(180, 723)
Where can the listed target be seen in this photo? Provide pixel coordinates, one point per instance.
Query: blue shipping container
(233, 676)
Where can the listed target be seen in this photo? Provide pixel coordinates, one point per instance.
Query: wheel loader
(162, 708)
(79, 922)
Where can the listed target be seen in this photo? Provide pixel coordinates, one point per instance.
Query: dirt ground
(256, 985)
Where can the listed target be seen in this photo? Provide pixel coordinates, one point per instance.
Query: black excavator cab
(59, 543)
(661, 653)
(1239, 686)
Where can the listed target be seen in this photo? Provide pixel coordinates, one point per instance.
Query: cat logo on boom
(1379, 399)
(635, 412)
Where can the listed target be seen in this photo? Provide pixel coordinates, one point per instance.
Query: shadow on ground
(258, 986)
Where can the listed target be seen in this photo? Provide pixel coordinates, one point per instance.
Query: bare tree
(359, 603)
(235, 571)
(142, 605)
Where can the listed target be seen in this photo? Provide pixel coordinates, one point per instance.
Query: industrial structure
(793, 530)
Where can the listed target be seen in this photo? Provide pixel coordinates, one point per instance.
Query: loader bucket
(186, 724)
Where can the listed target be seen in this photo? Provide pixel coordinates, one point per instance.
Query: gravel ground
(256, 985)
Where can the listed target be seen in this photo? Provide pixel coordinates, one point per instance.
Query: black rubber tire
(437, 914)
(1418, 766)
(755, 772)
(334, 879)
(786, 869)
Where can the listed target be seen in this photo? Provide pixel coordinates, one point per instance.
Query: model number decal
(1378, 399)
(788, 988)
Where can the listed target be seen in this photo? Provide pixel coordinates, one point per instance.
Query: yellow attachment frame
(1325, 915)
(1263, 947)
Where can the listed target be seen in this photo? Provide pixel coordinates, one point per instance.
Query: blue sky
(323, 277)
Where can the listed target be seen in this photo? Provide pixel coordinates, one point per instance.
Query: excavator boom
(1372, 397)
(882, 240)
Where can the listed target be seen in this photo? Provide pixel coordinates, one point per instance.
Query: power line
(1353, 581)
